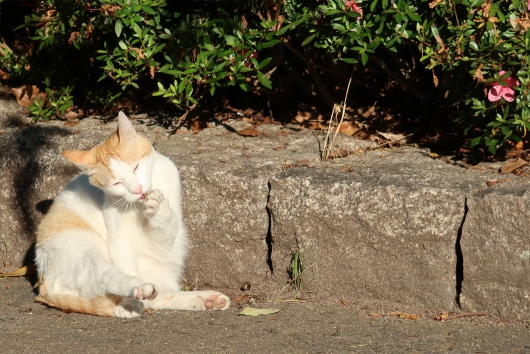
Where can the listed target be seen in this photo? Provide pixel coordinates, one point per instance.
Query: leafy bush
(464, 58)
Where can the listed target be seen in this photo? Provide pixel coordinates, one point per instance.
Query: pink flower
(498, 90)
(528, 5)
(351, 5)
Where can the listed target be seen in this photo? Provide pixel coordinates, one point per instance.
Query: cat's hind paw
(129, 308)
(145, 291)
(215, 301)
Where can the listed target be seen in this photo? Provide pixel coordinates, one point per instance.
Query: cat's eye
(117, 184)
(136, 168)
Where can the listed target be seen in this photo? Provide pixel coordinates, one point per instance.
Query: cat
(113, 241)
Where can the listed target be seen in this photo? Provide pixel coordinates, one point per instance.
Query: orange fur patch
(98, 306)
(59, 219)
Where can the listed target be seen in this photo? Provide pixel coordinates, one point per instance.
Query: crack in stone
(459, 271)
(268, 238)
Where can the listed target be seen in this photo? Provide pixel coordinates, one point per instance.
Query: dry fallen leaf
(27, 94)
(513, 165)
(71, 115)
(312, 125)
(339, 153)
(248, 132)
(307, 114)
(393, 137)
(304, 162)
(31, 269)
(152, 72)
(368, 112)
(348, 128)
(500, 180)
(198, 125)
(251, 311)
(434, 79)
(442, 317)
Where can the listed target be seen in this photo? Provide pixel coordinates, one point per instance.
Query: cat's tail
(98, 306)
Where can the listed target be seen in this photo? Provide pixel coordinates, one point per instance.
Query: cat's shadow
(29, 259)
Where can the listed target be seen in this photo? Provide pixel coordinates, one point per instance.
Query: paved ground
(28, 327)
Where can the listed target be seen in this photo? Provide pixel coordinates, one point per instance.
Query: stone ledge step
(381, 226)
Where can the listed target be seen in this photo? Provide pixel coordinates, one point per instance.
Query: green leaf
(264, 63)
(159, 48)
(434, 31)
(349, 60)
(264, 80)
(230, 40)
(148, 10)
(219, 67)
(414, 17)
(251, 311)
(118, 27)
(122, 45)
(65, 106)
(364, 58)
(282, 30)
(308, 39)
(182, 86)
(475, 141)
(270, 43)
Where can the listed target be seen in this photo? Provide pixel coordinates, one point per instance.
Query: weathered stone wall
(381, 226)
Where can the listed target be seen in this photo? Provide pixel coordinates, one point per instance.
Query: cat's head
(121, 165)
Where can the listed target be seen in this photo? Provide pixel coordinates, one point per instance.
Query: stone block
(496, 251)
(380, 229)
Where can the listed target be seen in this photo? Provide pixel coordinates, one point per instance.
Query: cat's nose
(136, 189)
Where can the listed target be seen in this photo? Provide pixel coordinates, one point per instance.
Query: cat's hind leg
(190, 300)
(75, 275)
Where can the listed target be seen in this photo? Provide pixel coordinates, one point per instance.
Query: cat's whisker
(117, 202)
(121, 205)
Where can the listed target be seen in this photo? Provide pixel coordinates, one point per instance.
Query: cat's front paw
(145, 291)
(152, 202)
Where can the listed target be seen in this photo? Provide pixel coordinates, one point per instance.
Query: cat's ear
(79, 157)
(125, 129)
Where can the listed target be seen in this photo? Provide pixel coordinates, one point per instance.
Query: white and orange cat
(113, 241)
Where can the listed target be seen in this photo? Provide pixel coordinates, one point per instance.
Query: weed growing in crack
(6, 246)
(297, 269)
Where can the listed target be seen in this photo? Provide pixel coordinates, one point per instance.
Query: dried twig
(328, 145)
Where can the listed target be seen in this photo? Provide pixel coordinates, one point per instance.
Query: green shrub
(467, 59)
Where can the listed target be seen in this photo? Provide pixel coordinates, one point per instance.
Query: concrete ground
(300, 327)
